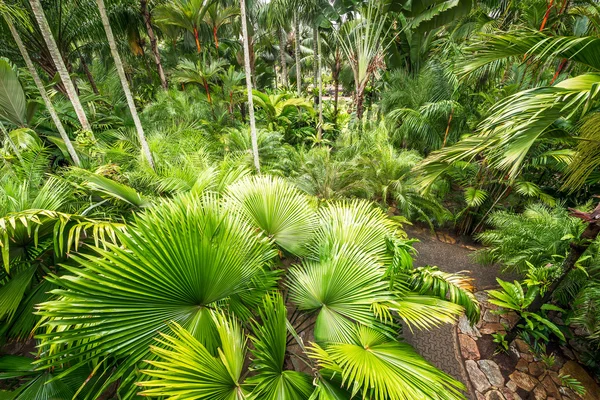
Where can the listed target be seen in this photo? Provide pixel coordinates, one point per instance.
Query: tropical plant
(538, 236)
(362, 41)
(201, 73)
(184, 14)
(38, 12)
(514, 297)
(281, 110)
(219, 274)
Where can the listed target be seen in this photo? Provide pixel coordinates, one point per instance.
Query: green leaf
(13, 106)
(186, 369)
(383, 369)
(277, 207)
(176, 261)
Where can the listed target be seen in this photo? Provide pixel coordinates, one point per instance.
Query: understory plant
(254, 292)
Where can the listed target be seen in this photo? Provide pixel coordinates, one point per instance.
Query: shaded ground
(440, 346)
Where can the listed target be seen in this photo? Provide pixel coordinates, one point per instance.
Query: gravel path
(440, 346)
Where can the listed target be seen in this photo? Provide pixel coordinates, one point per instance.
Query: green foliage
(13, 106)
(514, 297)
(277, 208)
(382, 369)
(539, 235)
(573, 384)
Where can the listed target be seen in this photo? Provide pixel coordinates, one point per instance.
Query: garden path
(451, 254)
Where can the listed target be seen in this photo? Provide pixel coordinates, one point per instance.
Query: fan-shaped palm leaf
(342, 288)
(186, 369)
(271, 381)
(277, 208)
(116, 304)
(384, 369)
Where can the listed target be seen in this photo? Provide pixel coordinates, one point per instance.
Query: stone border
(530, 378)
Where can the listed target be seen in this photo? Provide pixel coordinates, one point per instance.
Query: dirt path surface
(440, 346)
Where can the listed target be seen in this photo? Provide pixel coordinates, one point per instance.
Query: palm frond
(186, 369)
(277, 208)
(381, 369)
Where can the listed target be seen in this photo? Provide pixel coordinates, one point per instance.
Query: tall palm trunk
(336, 83)
(284, 70)
(40, 17)
(153, 43)
(315, 55)
(121, 72)
(249, 85)
(298, 67)
(320, 81)
(43, 94)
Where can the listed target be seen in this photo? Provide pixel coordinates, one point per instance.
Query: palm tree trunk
(121, 72)
(284, 70)
(153, 41)
(360, 99)
(216, 37)
(88, 74)
(38, 12)
(320, 81)
(298, 67)
(315, 52)
(198, 48)
(40, 86)
(336, 82)
(249, 85)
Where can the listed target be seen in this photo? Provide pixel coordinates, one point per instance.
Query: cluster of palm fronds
(194, 299)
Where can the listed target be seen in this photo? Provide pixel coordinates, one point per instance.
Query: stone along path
(440, 345)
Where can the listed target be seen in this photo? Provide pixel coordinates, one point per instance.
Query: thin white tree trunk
(43, 94)
(320, 80)
(121, 72)
(284, 70)
(38, 11)
(298, 67)
(249, 85)
(315, 55)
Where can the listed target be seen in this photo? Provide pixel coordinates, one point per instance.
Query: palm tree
(38, 12)
(201, 73)
(186, 14)
(217, 17)
(121, 72)
(232, 87)
(153, 43)
(40, 86)
(517, 123)
(248, 71)
(175, 312)
(361, 42)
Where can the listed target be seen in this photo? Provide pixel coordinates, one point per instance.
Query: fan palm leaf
(383, 369)
(271, 381)
(186, 369)
(342, 288)
(277, 208)
(116, 304)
